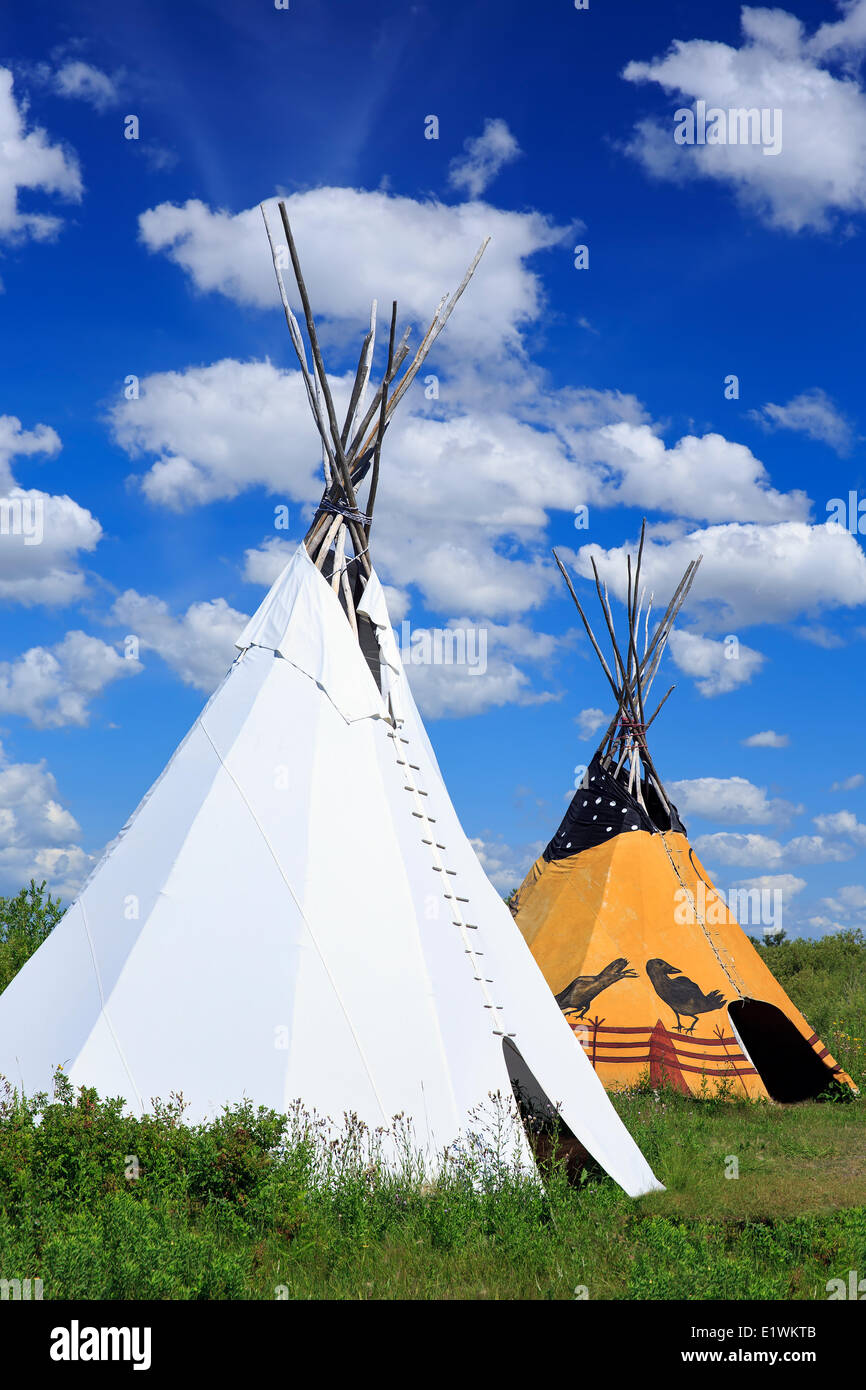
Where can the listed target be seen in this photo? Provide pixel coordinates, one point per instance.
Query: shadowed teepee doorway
(785, 1061)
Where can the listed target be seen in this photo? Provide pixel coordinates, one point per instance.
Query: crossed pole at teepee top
(632, 676)
(348, 454)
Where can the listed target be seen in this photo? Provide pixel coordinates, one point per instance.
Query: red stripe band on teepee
(665, 1050)
(658, 1046)
(705, 1042)
(609, 1028)
(717, 1071)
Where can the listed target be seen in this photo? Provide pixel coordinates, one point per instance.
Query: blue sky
(558, 387)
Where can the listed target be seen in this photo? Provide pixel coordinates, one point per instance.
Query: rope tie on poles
(343, 509)
(633, 729)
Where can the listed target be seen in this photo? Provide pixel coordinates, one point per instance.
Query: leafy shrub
(25, 921)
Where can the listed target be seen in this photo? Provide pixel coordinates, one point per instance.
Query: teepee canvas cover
(646, 961)
(294, 910)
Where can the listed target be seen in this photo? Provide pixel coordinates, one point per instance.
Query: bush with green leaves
(25, 921)
(100, 1204)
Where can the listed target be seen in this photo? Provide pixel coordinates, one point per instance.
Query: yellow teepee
(646, 961)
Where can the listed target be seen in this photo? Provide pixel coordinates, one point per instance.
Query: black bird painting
(577, 997)
(681, 995)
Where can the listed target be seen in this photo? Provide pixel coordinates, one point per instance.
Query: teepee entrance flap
(374, 607)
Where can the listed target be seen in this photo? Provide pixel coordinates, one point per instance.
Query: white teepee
(294, 911)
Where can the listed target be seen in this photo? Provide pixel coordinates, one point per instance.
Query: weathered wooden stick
(632, 623)
(639, 615)
(321, 518)
(357, 534)
(659, 705)
(678, 600)
(438, 323)
(350, 602)
(608, 617)
(356, 463)
(358, 384)
(298, 345)
(589, 632)
(412, 370)
(373, 311)
(355, 449)
(339, 556)
(335, 523)
(653, 653)
(659, 785)
(633, 662)
(374, 481)
(627, 609)
(656, 661)
(668, 614)
(311, 327)
(638, 565)
(662, 641)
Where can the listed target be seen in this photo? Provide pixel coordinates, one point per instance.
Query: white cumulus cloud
(198, 645)
(30, 162)
(54, 686)
(716, 667)
(760, 851)
(484, 156)
(505, 865)
(819, 175)
(589, 721)
(707, 478)
(811, 413)
(489, 672)
(397, 248)
(37, 834)
(787, 884)
(41, 536)
(84, 82)
(749, 573)
(767, 738)
(217, 430)
(849, 784)
(843, 823)
(731, 800)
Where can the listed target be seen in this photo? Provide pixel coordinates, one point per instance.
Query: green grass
(251, 1207)
(102, 1205)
